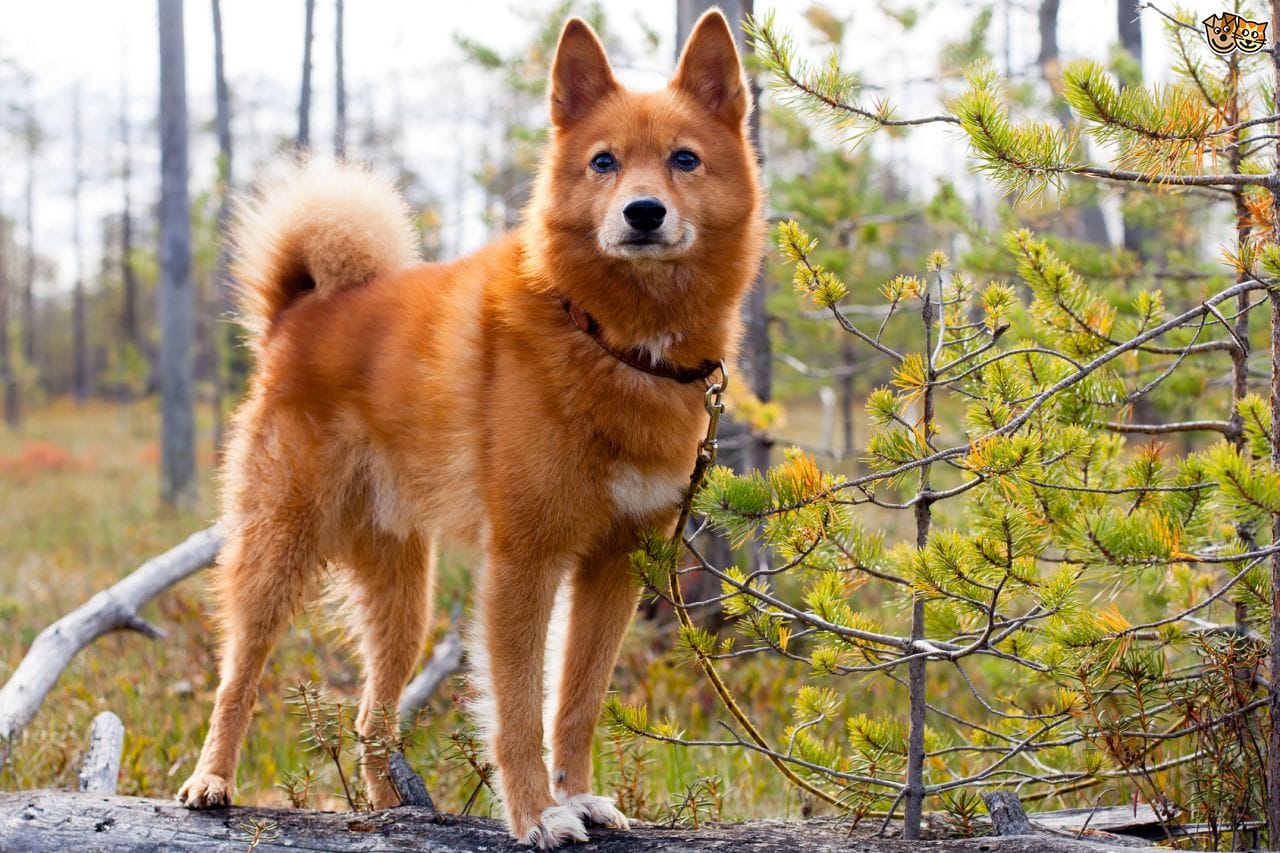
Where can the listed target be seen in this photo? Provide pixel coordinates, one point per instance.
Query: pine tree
(1052, 598)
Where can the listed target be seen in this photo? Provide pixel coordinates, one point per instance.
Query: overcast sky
(403, 64)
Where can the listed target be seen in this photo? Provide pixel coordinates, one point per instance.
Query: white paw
(556, 826)
(598, 811)
(205, 791)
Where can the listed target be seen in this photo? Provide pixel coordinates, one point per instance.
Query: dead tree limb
(47, 821)
(112, 609)
(446, 658)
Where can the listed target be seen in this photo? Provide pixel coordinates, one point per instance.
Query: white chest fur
(637, 493)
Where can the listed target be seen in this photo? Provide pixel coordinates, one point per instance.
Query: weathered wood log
(101, 769)
(1139, 820)
(48, 821)
(112, 609)
(409, 785)
(1007, 814)
(446, 659)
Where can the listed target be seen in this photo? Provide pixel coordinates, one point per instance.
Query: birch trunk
(339, 87)
(303, 140)
(177, 365)
(224, 336)
(8, 375)
(79, 325)
(32, 132)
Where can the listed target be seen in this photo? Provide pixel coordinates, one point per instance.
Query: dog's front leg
(518, 595)
(604, 598)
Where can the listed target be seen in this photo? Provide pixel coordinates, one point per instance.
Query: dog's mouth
(648, 248)
(660, 245)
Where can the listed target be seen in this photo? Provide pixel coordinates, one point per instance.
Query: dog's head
(648, 178)
(1220, 30)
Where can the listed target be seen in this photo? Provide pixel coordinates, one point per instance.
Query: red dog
(539, 399)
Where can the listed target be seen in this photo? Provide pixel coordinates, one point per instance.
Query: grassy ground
(79, 509)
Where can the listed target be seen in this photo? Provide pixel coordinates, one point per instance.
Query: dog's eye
(685, 160)
(604, 162)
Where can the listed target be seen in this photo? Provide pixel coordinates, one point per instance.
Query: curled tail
(316, 228)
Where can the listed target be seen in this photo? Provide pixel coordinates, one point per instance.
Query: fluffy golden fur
(398, 405)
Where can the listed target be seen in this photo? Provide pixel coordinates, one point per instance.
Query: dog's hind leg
(603, 602)
(263, 575)
(393, 585)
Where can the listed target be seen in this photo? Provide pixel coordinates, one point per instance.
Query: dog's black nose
(645, 214)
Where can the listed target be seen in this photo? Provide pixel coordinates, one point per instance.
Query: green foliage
(1076, 589)
(651, 562)
(1247, 490)
(958, 55)
(1155, 130)
(329, 730)
(1022, 159)
(823, 286)
(823, 90)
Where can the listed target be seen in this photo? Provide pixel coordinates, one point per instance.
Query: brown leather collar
(638, 357)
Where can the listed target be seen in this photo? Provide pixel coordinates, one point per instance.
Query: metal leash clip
(714, 403)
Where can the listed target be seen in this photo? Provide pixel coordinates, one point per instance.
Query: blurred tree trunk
(756, 360)
(32, 131)
(340, 89)
(743, 450)
(8, 375)
(1129, 26)
(79, 324)
(303, 140)
(848, 407)
(129, 313)
(1092, 221)
(177, 398)
(224, 337)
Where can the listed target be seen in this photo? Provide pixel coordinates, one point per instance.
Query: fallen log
(1138, 820)
(49, 821)
(112, 609)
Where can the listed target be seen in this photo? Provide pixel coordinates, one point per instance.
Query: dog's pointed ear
(710, 70)
(580, 73)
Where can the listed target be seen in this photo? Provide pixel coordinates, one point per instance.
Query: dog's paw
(557, 825)
(597, 811)
(205, 791)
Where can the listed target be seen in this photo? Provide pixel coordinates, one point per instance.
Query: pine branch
(827, 89)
